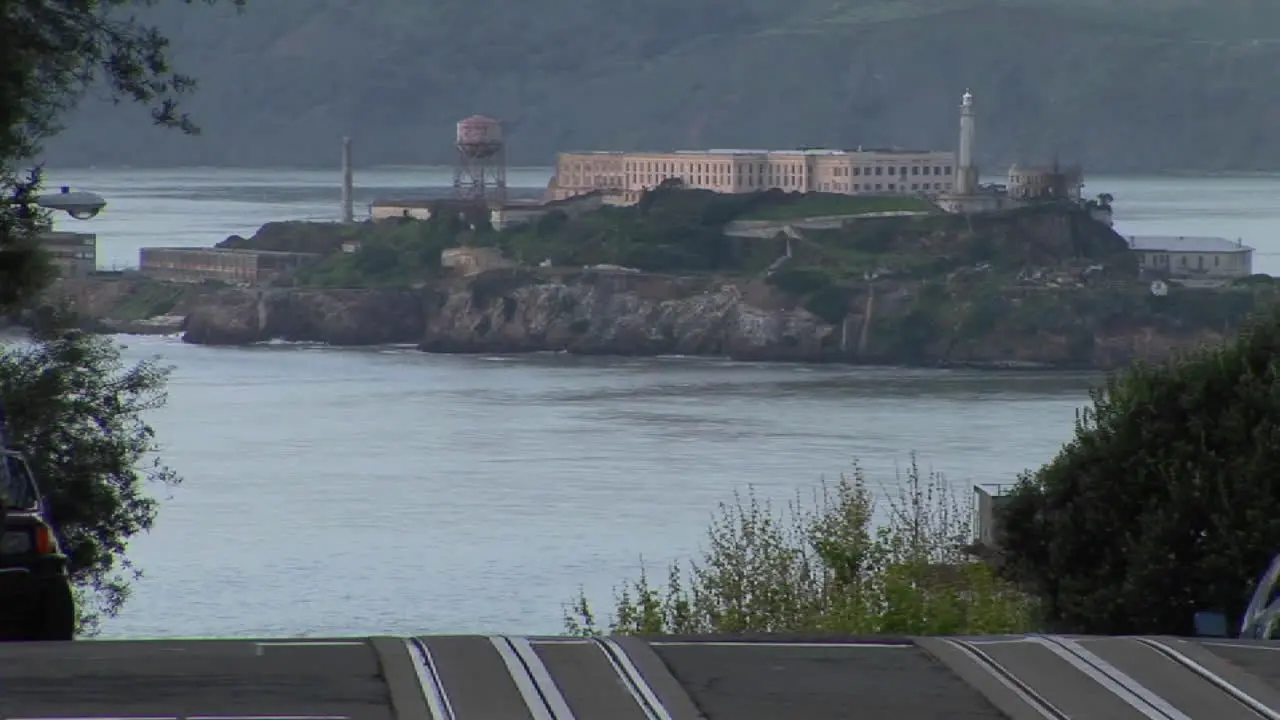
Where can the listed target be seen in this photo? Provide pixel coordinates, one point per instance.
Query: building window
(892, 187)
(915, 186)
(879, 186)
(915, 170)
(948, 170)
(879, 171)
(1215, 260)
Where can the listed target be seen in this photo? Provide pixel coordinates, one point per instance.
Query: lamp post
(78, 204)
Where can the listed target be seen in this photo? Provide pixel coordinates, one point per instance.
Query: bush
(78, 413)
(826, 569)
(800, 280)
(1166, 500)
(394, 252)
(908, 339)
(830, 303)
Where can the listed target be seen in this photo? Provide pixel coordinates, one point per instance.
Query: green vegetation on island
(678, 230)
(797, 206)
(1173, 464)
(671, 230)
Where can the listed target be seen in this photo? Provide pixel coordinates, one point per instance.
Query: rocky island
(765, 276)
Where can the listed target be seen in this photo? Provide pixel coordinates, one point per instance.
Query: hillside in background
(1119, 85)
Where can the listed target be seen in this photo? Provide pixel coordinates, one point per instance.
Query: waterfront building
(1192, 260)
(230, 265)
(73, 254)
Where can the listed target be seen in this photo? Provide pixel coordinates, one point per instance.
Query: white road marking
(310, 643)
(753, 643)
(635, 681)
(188, 717)
(1000, 641)
(541, 694)
(1002, 675)
(1242, 646)
(1133, 693)
(259, 648)
(1222, 684)
(424, 666)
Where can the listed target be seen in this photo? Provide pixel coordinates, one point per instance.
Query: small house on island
(1194, 260)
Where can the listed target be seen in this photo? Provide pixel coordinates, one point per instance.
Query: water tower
(481, 172)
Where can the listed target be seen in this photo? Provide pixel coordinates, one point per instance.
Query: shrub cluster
(826, 566)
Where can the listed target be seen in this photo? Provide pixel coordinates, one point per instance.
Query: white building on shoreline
(1192, 260)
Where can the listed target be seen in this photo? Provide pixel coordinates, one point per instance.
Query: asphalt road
(207, 678)
(518, 678)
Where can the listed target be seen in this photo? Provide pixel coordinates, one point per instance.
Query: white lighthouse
(967, 172)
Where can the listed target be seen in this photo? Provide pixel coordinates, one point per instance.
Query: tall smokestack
(348, 203)
(967, 179)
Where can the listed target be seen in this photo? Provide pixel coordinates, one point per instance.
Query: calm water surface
(333, 491)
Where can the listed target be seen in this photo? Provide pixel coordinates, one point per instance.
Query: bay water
(383, 490)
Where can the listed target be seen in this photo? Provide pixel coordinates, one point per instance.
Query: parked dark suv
(36, 600)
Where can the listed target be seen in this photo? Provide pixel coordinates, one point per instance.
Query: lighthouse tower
(967, 171)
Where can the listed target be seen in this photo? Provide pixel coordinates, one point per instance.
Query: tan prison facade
(851, 172)
(229, 265)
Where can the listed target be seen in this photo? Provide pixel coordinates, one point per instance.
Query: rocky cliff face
(632, 314)
(621, 313)
(618, 313)
(341, 317)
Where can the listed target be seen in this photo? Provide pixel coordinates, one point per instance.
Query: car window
(18, 488)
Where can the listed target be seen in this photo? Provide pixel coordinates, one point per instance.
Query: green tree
(73, 407)
(53, 51)
(1167, 500)
(77, 412)
(826, 568)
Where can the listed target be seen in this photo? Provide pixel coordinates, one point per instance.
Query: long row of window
(903, 170)
(891, 187)
(755, 175)
(1163, 260)
(757, 168)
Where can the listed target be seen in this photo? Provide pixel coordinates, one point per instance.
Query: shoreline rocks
(639, 314)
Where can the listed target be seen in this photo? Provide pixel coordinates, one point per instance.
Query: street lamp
(78, 204)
